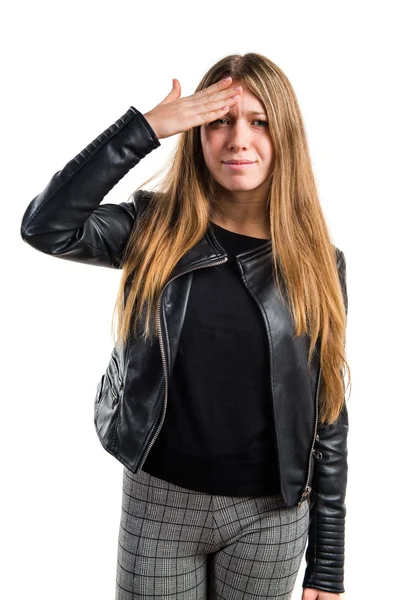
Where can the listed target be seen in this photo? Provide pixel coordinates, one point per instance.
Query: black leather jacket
(66, 220)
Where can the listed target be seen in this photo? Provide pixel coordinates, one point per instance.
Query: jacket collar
(208, 249)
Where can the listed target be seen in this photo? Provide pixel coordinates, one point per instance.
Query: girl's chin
(238, 186)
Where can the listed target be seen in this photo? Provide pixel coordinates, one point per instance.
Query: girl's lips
(240, 166)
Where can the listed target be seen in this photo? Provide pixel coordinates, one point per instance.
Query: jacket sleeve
(326, 543)
(65, 219)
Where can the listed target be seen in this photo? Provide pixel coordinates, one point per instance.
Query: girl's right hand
(174, 114)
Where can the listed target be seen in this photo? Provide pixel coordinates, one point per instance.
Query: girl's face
(239, 135)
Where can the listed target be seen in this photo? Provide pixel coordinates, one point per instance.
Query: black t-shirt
(218, 435)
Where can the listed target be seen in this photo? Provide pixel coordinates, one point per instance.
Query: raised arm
(65, 219)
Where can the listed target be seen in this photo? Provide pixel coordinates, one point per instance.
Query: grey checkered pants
(182, 544)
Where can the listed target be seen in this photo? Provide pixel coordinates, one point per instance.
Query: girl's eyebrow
(256, 113)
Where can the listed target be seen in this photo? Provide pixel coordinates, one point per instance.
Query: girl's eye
(265, 123)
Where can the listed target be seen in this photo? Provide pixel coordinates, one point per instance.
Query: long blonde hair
(178, 213)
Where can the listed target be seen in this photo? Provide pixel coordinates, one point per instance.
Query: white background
(69, 70)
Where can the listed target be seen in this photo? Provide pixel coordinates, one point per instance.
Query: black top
(218, 434)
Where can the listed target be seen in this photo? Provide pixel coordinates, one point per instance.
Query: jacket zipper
(307, 489)
(214, 263)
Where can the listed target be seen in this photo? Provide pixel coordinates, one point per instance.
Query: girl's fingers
(206, 113)
(210, 100)
(207, 105)
(221, 87)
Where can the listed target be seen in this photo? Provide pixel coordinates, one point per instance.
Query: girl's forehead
(248, 106)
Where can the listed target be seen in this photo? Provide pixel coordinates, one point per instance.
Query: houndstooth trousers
(182, 544)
